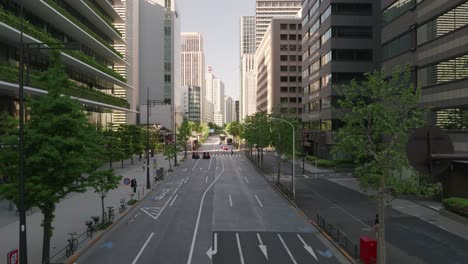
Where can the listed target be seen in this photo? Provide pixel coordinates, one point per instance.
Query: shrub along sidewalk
(457, 206)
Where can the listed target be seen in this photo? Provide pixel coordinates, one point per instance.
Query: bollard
(138, 195)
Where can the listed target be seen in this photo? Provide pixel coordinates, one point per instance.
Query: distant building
(237, 108)
(218, 102)
(228, 109)
(193, 113)
(247, 71)
(278, 62)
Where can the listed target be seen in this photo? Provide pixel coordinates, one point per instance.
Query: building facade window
(354, 9)
(352, 55)
(445, 71)
(397, 9)
(444, 24)
(364, 32)
(326, 58)
(397, 46)
(326, 13)
(451, 118)
(326, 36)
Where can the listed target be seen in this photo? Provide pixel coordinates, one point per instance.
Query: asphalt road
(214, 211)
(409, 239)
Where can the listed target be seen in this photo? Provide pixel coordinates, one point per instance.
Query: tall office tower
(192, 105)
(228, 107)
(431, 37)
(340, 42)
(237, 109)
(278, 67)
(218, 102)
(247, 71)
(192, 63)
(94, 69)
(265, 10)
(155, 54)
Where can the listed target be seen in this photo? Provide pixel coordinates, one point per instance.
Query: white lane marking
(240, 249)
(164, 207)
(185, 169)
(206, 179)
(262, 247)
(287, 249)
(173, 200)
(195, 165)
(201, 168)
(435, 208)
(307, 247)
(258, 200)
(143, 248)
(230, 199)
(195, 231)
(186, 179)
(246, 179)
(213, 250)
(209, 165)
(305, 176)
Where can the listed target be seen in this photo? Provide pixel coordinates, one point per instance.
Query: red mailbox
(368, 250)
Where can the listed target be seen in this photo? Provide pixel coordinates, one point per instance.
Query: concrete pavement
(70, 214)
(214, 211)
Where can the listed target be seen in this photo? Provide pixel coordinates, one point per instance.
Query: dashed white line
(305, 176)
(143, 248)
(173, 200)
(164, 207)
(230, 200)
(206, 179)
(195, 165)
(195, 231)
(209, 165)
(240, 249)
(186, 179)
(246, 179)
(258, 200)
(287, 249)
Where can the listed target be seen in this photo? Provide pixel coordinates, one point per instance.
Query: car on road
(224, 148)
(206, 155)
(195, 155)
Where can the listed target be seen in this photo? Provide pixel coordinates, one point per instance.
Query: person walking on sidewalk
(376, 224)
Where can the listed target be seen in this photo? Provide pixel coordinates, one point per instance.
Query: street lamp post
(294, 154)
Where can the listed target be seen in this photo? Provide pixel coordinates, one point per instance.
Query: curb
(458, 218)
(91, 243)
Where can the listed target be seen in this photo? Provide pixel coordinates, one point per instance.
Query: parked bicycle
(91, 226)
(110, 213)
(72, 244)
(122, 207)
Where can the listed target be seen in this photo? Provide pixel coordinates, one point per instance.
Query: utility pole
(21, 206)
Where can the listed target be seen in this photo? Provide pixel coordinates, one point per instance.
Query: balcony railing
(13, 21)
(102, 16)
(10, 74)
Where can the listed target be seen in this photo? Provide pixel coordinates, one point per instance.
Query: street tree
(185, 131)
(112, 145)
(170, 153)
(378, 115)
(8, 150)
(102, 182)
(257, 133)
(234, 128)
(60, 147)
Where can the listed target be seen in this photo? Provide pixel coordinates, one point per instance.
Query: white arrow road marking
(164, 207)
(246, 179)
(240, 249)
(195, 231)
(258, 200)
(143, 248)
(262, 247)
(213, 250)
(287, 249)
(307, 247)
(173, 200)
(230, 199)
(195, 165)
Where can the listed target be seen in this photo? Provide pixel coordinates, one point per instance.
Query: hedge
(10, 74)
(13, 21)
(458, 206)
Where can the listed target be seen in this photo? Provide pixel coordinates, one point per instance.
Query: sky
(218, 22)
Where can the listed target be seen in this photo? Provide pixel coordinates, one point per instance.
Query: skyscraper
(192, 71)
(265, 10)
(247, 73)
(218, 102)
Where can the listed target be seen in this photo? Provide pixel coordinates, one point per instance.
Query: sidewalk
(71, 213)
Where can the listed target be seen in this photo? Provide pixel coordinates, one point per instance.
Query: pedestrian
(376, 223)
(134, 185)
(144, 165)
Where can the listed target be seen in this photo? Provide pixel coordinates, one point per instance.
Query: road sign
(12, 257)
(422, 144)
(126, 181)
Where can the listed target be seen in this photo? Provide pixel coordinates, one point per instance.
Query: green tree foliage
(378, 115)
(184, 133)
(8, 148)
(60, 146)
(170, 153)
(257, 132)
(102, 182)
(112, 145)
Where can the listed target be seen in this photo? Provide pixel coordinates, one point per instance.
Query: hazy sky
(218, 22)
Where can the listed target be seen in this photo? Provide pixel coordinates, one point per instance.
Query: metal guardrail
(284, 190)
(339, 237)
